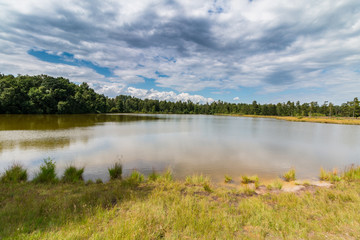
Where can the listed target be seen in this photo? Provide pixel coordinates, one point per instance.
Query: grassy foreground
(332, 120)
(163, 208)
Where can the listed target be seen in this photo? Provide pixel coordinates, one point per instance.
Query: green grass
(253, 179)
(46, 173)
(175, 210)
(73, 175)
(290, 175)
(197, 179)
(135, 178)
(352, 173)
(15, 174)
(153, 175)
(228, 179)
(331, 176)
(115, 171)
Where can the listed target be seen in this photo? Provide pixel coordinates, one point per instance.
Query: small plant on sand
(197, 180)
(290, 175)
(228, 179)
(16, 173)
(135, 178)
(277, 184)
(253, 179)
(47, 172)
(153, 176)
(115, 171)
(73, 175)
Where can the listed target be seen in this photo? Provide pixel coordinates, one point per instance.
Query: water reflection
(213, 145)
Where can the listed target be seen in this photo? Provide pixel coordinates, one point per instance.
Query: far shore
(331, 120)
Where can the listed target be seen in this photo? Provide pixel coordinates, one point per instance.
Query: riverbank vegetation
(160, 207)
(49, 95)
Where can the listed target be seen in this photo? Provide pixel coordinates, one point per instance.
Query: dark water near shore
(213, 145)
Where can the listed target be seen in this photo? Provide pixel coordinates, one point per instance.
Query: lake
(188, 144)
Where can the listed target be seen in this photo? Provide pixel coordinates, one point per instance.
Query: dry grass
(331, 120)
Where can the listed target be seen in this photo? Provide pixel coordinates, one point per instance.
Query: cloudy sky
(236, 51)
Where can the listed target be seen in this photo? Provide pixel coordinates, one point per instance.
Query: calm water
(213, 145)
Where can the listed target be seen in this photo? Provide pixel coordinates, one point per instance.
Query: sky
(203, 51)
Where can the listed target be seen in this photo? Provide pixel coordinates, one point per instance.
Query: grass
(135, 178)
(15, 174)
(228, 179)
(175, 210)
(197, 179)
(331, 176)
(290, 175)
(253, 179)
(172, 209)
(153, 176)
(73, 175)
(318, 119)
(46, 173)
(115, 171)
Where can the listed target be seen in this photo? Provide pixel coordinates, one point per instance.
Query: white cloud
(236, 98)
(270, 46)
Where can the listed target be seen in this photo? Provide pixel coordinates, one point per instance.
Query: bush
(47, 172)
(16, 173)
(73, 175)
(290, 175)
(116, 171)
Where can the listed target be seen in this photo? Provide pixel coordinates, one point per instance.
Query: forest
(44, 94)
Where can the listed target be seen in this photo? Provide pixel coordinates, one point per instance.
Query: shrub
(16, 173)
(116, 171)
(73, 175)
(290, 175)
(47, 172)
(228, 179)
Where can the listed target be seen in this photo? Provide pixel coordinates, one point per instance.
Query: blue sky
(235, 50)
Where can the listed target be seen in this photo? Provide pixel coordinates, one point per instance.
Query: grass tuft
(73, 175)
(253, 179)
(167, 176)
(99, 181)
(277, 184)
(115, 171)
(352, 173)
(135, 178)
(47, 172)
(154, 176)
(228, 179)
(15, 174)
(207, 187)
(290, 175)
(331, 176)
(197, 180)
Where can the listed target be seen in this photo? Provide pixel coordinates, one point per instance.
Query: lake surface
(212, 145)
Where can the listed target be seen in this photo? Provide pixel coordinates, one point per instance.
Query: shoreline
(327, 120)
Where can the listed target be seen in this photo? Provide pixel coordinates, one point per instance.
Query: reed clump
(115, 171)
(46, 173)
(290, 175)
(14, 174)
(73, 175)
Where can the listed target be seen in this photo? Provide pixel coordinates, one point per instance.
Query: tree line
(44, 94)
